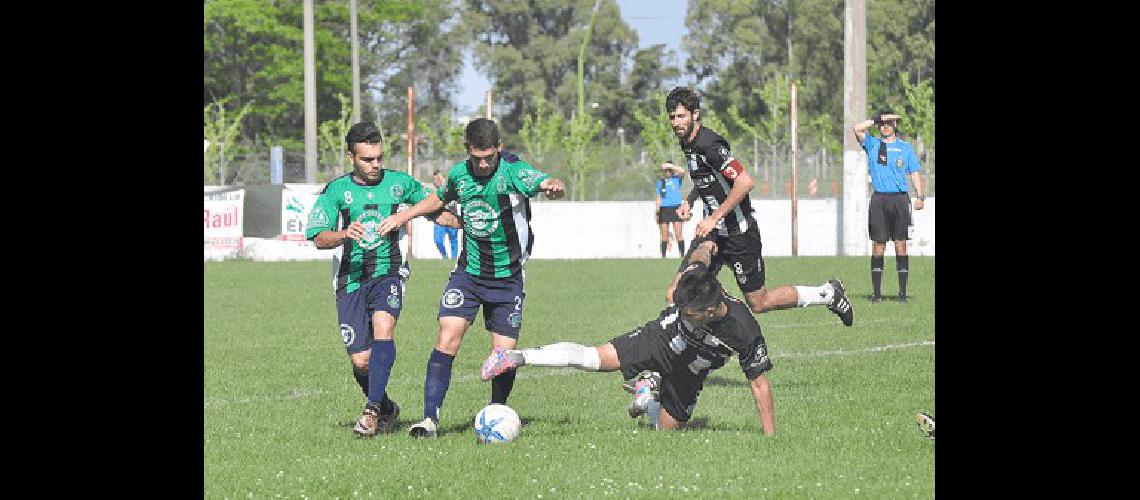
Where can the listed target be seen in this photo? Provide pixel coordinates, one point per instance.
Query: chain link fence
(617, 175)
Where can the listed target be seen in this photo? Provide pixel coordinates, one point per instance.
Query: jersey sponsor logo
(480, 218)
(318, 217)
(371, 220)
(723, 153)
(515, 319)
(397, 192)
(394, 301)
(500, 184)
(529, 178)
(692, 163)
(348, 197)
(453, 298)
(760, 358)
(347, 333)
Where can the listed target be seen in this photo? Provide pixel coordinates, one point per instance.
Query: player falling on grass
(369, 269)
(722, 183)
(668, 359)
(493, 192)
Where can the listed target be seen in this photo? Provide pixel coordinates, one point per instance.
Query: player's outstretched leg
(500, 361)
(839, 304)
(926, 424)
(646, 388)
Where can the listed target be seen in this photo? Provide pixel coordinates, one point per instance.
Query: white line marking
(303, 393)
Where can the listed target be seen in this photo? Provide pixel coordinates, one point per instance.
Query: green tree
(919, 118)
(900, 39)
(222, 135)
(541, 131)
(253, 54)
(331, 136)
(529, 48)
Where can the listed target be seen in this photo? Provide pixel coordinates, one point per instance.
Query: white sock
(564, 354)
(814, 295)
(654, 412)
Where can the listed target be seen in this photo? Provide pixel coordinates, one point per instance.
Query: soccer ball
(496, 423)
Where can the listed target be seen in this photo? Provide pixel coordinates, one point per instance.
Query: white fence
(587, 230)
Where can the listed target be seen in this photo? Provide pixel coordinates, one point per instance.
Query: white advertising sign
(295, 207)
(222, 219)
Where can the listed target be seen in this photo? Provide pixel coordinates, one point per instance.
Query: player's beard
(686, 131)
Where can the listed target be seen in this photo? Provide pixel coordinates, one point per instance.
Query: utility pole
(853, 204)
(488, 104)
(411, 129)
(310, 97)
(355, 63)
(795, 180)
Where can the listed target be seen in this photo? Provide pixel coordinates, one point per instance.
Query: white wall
(588, 230)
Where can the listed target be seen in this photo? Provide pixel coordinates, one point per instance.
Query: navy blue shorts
(501, 298)
(354, 310)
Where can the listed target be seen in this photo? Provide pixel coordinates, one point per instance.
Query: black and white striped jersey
(714, 170)
(706, 348)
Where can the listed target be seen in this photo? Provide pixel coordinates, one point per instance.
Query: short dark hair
(697, 289)
(481, 133)
(878, 116)
(683, 96)
(365, 132)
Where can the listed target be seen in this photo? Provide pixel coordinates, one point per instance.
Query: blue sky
(655, 21)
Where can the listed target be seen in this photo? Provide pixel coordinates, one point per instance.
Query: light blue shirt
(901, 160)
(670, 191)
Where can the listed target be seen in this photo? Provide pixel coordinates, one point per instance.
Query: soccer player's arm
(685, 210)
(320, 230)
(429, 204)
(915, 167)
(754, 361)
(734, 172)
(702, 253)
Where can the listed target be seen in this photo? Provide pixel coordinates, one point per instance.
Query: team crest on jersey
(529, 178)
(397, 191)
(371, 220)
(318, 217)
(394, 301)
(723, 152)
(453, 298)
(515, 319)
(692, 163)
(500, 184)
(348, 197)
(347, 333)
(898, 163)
(479, 218)
(761, 356)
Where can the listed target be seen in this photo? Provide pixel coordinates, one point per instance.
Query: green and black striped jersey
(344, 201)
(496, 216)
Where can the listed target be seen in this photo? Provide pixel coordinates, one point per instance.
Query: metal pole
(488, 104)
(795, 180)
(853, 204)
(411, 129)
(355, 63)
(310, 97)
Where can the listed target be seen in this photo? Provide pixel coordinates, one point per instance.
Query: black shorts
(667, 214)
(889, 217)
(647, 350)
(741, 253)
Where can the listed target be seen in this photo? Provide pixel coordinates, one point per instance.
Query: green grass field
(279, 397)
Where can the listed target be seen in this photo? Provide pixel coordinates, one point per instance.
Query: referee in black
(889, 160)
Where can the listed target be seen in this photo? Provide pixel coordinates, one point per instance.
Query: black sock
(681, 247)
(902, 263)
(361, 377)
(501, 387)
(436, 381)
(877, 274)
(664, 245)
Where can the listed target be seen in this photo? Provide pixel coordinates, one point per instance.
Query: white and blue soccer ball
(497, 423)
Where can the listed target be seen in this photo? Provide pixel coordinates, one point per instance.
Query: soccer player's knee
(360, 366)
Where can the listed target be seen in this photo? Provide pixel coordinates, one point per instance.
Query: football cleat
(500, 361)
(645, 387)
(387, 421)
(366, 425)
(839, 303)
(904, 299)
(425, 429)
(925, 424)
